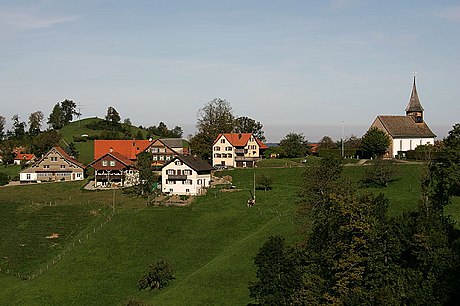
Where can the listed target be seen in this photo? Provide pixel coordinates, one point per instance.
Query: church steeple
(414, 109)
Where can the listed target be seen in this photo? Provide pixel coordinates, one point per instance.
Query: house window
(199, 182)
(78, 174)
(216, 148)
(112, 163)
(171, 190)
(187, 172)
(222, 140)
(155, 157)
(217, 155)
(228, 148)
(224, 155)
(162, 157)
(187, 190)
(168, 157)
(104, 163)
(155, 150)
(170, 171)
(28, 176)
(178, 163)
(62, 166)
(53, 158)
(46, 166)
(229, 155)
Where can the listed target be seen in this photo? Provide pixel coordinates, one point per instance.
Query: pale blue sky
(301, 66)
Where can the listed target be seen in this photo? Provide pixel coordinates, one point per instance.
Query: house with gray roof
(186, 175)
(406, 132)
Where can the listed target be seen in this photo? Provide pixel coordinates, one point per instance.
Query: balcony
(176, 177)
(239, 151)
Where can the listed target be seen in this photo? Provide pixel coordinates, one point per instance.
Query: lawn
(210, 243)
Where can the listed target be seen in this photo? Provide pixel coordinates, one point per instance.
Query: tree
(19, 128)
(146, 176)
(249, 125)
(43, 142)
(4, 178)
(375, 142)
(327, 143)
(35, 122)
(163, 131)
(294, 145)
(352, 142)
(127, 121)
(2, 127)
(68, 108)
(56, 118)
(158, 276)
(214, 118)
(277, 273)
(380, 174)
(112, 116)
(264, 181)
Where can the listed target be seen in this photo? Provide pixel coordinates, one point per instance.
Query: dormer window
(112, 163)
(418, 119)
(104, 163)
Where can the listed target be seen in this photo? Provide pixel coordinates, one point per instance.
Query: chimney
(111, 150)
(239, 136)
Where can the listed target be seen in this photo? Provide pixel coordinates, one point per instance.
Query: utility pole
(343, 135)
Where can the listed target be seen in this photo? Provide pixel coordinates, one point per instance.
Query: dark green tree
(43, 142)
(2, 127)
(158, 276)
(35, 122)
(277, 273)
(375, 142)
(112, 116)
(214, 118)
(264, 181)
(327, 143)
(146, 176)
(56, 118)
(4, 178)
(19, 128)
(380, 174)
(249, 125)
(294, 145)
(68, 108)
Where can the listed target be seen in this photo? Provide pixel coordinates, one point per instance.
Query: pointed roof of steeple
(414, 102)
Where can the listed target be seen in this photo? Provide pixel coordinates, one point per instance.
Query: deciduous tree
(68, 111)
(2, 127)
(375, 142)
(294, 145)
(56, 118)
(158, 276)
(35, 122)
(112, 116)
(249, 125)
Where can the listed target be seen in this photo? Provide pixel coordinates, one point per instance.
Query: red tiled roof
(127, 148)
(22, 156)
(240, 139)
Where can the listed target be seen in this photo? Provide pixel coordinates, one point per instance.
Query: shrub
(264, 181)
(158, 276)
(380, 174)
(4, 178)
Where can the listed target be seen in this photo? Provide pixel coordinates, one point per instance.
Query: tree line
(352, 253)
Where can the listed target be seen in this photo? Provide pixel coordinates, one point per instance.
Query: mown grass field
(210, 243)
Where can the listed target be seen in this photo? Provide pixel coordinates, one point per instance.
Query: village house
(55, 165)
(186, 175)
(406, 132)
(114, 170)
(25, 158)
(237, 150)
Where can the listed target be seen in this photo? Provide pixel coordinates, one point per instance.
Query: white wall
(198, 182)
(27, 177)
(407, 144)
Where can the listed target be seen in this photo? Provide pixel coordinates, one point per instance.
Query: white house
(406, 132)
(186, 175)
(237, 150)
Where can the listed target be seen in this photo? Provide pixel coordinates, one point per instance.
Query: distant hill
(78, 130)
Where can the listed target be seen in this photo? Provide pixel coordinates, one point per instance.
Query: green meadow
(107, 239)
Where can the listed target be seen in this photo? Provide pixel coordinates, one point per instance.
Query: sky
(312, 67)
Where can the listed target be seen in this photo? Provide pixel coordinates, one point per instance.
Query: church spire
(414, 109)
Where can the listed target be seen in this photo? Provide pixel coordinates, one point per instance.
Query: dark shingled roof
(193, 162)
(172, 142)
(414, 102)
(405, 126)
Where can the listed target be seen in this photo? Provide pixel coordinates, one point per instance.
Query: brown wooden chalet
(114, 170)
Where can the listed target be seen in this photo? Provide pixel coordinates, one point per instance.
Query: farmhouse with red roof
(237, 150)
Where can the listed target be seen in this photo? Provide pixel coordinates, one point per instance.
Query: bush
(4, 178)
(158, 276)
(380, 174)
(264, 181)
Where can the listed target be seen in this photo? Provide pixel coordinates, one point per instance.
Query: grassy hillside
(210, 243)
